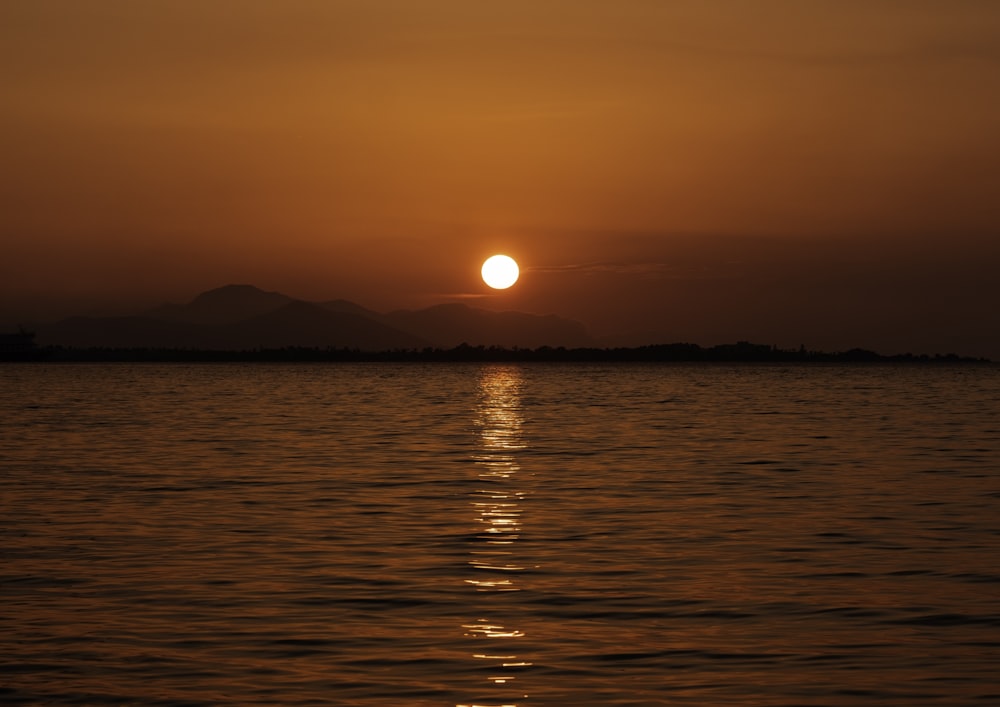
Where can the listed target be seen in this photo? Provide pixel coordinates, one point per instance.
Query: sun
(500, 272)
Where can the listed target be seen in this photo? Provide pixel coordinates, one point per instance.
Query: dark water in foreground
(499, 535)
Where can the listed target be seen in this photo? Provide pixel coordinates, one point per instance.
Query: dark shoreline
(741, 352)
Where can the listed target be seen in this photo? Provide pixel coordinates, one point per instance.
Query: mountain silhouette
(301, 323)
(243, 317)
(343, 305)
(449, 325)
(223, 305)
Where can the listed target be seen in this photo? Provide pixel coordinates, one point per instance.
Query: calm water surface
(499, 535)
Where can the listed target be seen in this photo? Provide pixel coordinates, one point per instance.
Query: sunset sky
(823, 173)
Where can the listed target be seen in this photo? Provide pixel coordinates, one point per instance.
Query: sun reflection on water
(496, 503)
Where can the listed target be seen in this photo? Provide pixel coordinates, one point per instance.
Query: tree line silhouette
(740, 352)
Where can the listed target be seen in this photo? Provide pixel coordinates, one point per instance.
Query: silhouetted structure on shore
(20, 346)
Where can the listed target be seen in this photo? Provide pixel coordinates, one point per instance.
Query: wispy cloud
(609, 267)
(647, 270)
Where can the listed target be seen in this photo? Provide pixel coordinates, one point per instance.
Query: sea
(499, 535)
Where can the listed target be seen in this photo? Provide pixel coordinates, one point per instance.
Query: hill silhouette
(243, 317)
(223, 305)
(449, 325)
(311, 325)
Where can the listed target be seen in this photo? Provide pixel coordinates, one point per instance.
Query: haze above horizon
(821, 173)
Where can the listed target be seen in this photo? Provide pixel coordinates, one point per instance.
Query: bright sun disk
(500, 272)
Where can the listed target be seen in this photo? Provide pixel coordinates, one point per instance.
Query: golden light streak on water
(497, 508)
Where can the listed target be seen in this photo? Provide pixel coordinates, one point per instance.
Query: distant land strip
(740, 352)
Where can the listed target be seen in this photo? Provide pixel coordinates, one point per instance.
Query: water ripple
(499, 535)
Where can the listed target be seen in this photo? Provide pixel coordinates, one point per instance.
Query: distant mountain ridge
(244, 317)
(449, 325)
(223, 305)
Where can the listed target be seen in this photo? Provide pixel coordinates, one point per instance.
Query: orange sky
(822, 172)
